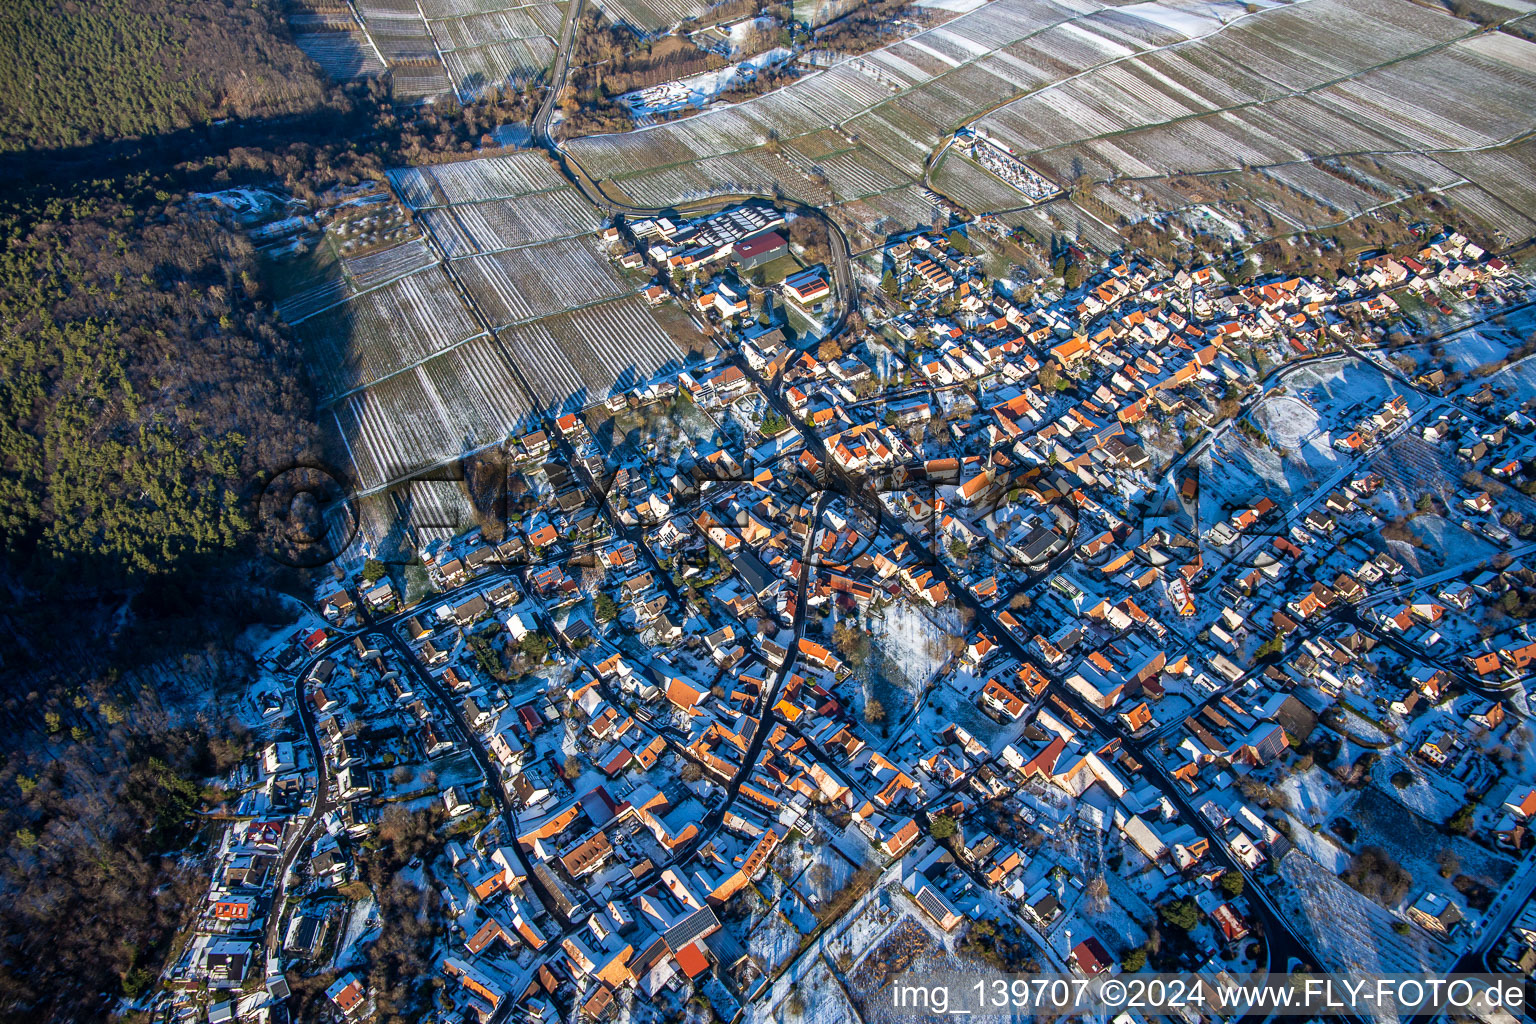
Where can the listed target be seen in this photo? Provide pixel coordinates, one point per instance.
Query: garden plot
(659, 434)
(908, 649)
(1313, 796)
(432, 413)
(1240, 470)
(1440, 543)
(896, 949)
(577, 358)
(1427, 794)
(383, 331)
(816, 997)
(518, 285)
(1412, 467)
(1417, 844)
(739, 423)
(824, 874)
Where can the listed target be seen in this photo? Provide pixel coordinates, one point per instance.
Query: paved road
(559, 71)
(1280, 940)
(323, 802)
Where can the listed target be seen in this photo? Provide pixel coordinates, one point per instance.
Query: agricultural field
(1332, 108)
(1295, 457)
(323, 280)
(651, 17)
(439, 47)
(577, 358)
(431, 413)
(380, 332)
(517, 285)
(655, 435)
(343, 55)
(419, 358)
(474, 181)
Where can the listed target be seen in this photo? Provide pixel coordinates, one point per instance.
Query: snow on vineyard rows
(397, 29)
(476, 69)
(578, 358)
(459, 401)
(438, 10)
(296, 306)
(476, 181)
(416, 83)
(360, 273)
(484, 29)
(386, 265)
(536, 281)
(487, 227)
(382, 331)
(478, 45)
(341, 55)
(651, 16)
(1144, 90)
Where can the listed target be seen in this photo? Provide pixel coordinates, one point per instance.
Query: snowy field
(1350, 933)
(908, 649)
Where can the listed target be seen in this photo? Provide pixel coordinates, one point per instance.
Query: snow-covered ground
(362, 927)
(697, 90)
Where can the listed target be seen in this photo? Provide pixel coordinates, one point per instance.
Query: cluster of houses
(643, 693)
(712, 264)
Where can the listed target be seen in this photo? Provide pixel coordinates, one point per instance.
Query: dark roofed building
(760, 249)
(752, 570)
(697, 925)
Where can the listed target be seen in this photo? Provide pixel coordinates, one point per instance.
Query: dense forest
(77, 71)
(93, 891)
(143, 390)
(146, 389)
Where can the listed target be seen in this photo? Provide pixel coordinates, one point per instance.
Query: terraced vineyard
(581, 357)
(417, 345)
(1146, 91)
(539, 280)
